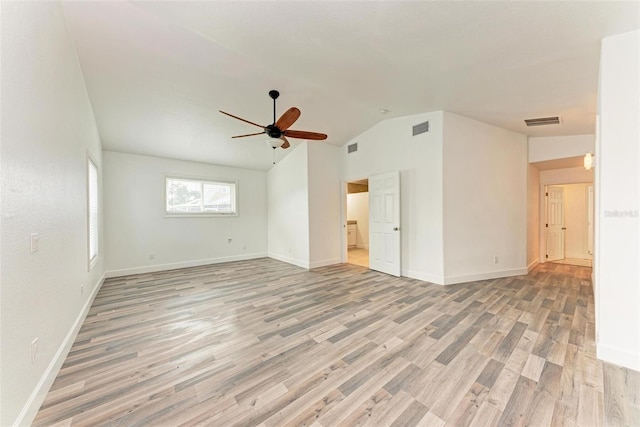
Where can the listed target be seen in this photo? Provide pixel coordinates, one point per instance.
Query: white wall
(324, 192)
(560, 147)
(566, 176)
(576, 221)
(533, 217)
(485, 200)
(288, 208)
(141, 239)
(389, 146)
(557, 177)
(617, 244)
(48, 129)
(358, 210)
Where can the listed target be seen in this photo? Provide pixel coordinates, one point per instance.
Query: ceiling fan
(280, 129)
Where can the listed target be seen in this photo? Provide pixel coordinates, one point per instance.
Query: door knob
(564, 228)
(395, 228)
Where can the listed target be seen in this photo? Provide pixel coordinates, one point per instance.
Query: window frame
(92, 261)
(202, 181)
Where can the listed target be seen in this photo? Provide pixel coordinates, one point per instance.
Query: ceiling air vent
(353, 147)
(421, 128)
(542, 121)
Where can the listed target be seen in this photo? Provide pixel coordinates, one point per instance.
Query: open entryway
(358, 222)
(569, 223)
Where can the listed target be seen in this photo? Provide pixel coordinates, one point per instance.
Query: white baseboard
(425, 277)
(533, 265)
(452, 280)
(577, 255)
(306, 264)
(31, 407)
(618, 356)
(296, 262)
(182, 264)
(324, 262)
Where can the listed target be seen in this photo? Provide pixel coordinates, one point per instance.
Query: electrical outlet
(34, 350)
(34, 242)
(244, 247)
(81, 289)
(152, 256)
(495, 259)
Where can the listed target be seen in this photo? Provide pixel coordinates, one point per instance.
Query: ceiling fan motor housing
(273, 131)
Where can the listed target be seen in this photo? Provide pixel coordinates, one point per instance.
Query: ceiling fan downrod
(274, 94)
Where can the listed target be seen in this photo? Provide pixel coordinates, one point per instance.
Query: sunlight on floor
(574, 261)
(358, 256)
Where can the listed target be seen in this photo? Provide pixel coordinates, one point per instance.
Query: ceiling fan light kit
(279, 129)
(274, 142)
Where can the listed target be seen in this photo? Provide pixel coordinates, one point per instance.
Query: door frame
(343, 217)
(591, 213)
(380, 225)
(546, 220)
(542, 214)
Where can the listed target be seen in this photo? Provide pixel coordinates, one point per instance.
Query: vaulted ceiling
(158, 72)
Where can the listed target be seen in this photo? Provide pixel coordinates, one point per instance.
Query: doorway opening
(358, 222)
(569, 224)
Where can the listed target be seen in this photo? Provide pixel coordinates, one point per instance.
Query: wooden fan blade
(302, 134)
(249, 134)
(241, 119)
(286, 143)
(288, 118)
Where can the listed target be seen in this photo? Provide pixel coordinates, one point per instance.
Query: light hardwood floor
(575, 261)
(265, 343)
(358, 256)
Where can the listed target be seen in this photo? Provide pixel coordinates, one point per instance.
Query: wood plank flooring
(358, 256)
(574, 261)
(264, 343)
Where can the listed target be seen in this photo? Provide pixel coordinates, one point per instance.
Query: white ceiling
(158, 72)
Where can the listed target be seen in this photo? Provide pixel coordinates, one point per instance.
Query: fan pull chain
(274, 155)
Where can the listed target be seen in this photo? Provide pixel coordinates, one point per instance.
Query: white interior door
(384, 223)
(555, 223)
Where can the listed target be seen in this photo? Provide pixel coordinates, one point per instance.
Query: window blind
(196, 197)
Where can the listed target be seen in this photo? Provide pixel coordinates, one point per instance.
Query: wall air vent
(542, 121)
(352, 148)
(421, 128)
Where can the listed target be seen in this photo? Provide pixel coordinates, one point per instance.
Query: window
(191, 197)
(92, 208)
